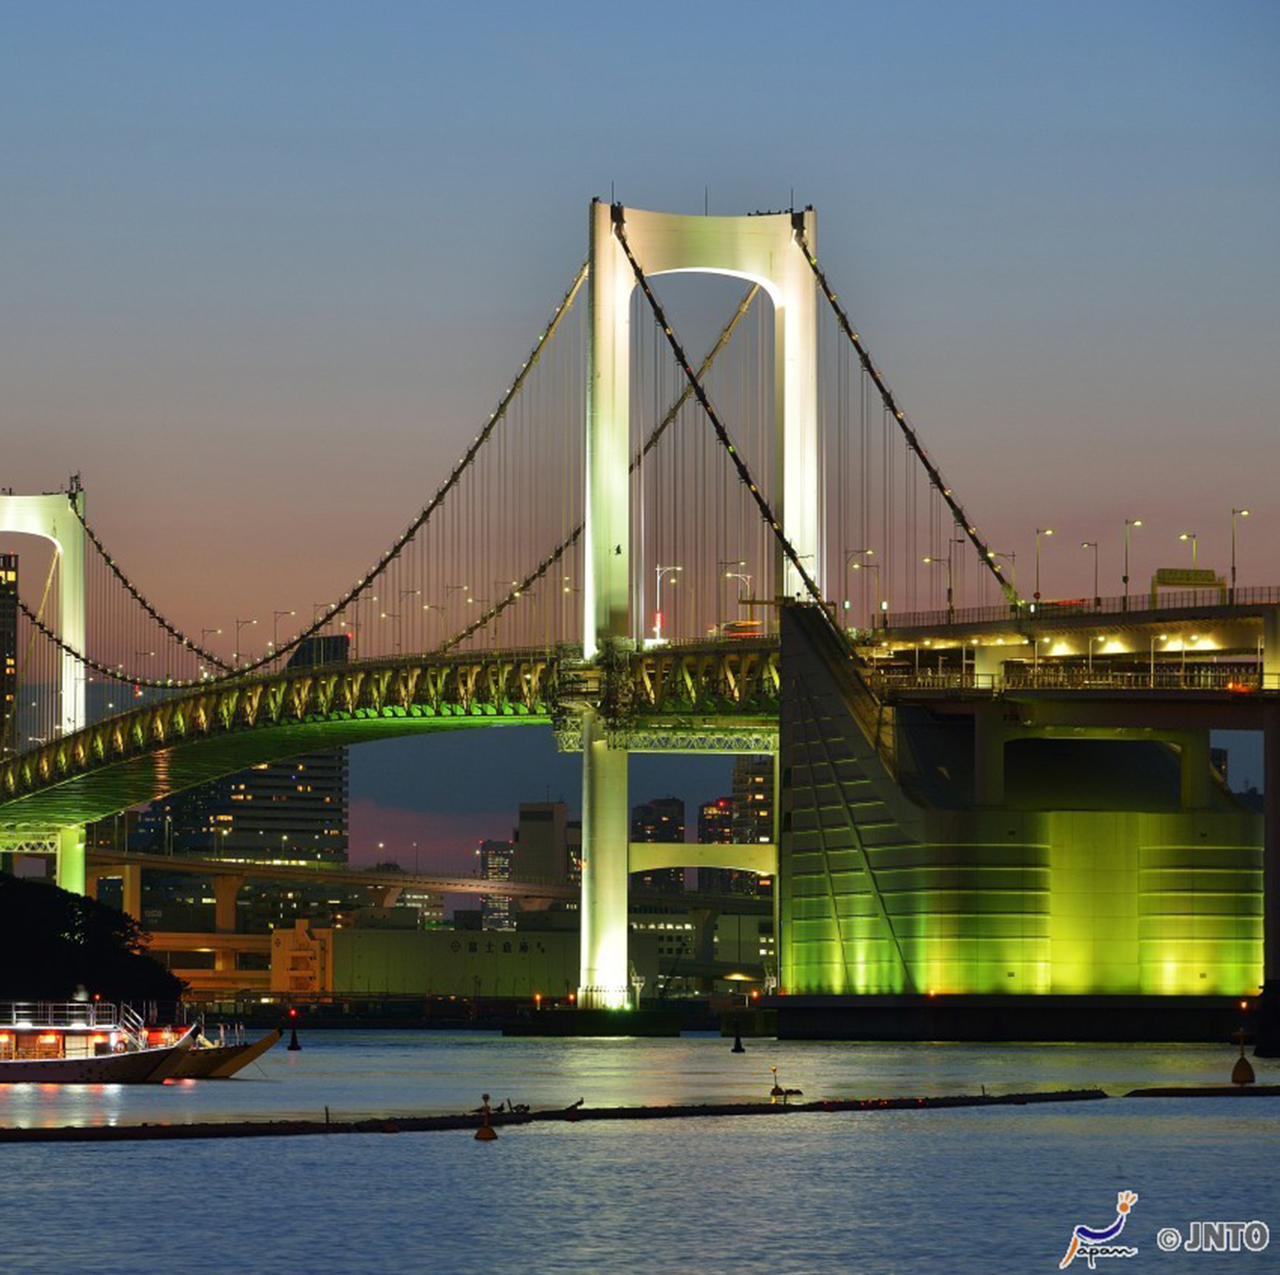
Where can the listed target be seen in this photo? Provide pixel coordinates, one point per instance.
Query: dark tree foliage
(53, 942)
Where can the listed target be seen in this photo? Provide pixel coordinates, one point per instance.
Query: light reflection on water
(992, 1190)
(384, 1073)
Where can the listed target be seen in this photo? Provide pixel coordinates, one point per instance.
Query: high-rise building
(661, 819)
(290, 812)
(753, 800)
(542, 842)
(715, 828)
(753, 803)
(497, 911)
(8, 652)
(285, 812)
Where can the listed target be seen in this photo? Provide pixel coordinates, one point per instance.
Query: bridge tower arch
(52, 517)
(763, 250)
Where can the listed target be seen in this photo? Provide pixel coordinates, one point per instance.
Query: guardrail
(1216, 678)
(100, 1015)
(1030, 612)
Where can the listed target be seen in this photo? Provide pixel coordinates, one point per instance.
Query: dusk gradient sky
(264, 268)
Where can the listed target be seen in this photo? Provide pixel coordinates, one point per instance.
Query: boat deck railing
(92, 1015)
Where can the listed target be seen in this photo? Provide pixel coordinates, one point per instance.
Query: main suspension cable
(985, 553)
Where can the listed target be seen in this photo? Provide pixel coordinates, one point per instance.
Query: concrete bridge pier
(69, 871)
(225, 891)
(606, 835)
(1267, 1034)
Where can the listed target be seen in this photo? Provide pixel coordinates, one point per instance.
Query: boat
(86, 1043)
(206, 1061)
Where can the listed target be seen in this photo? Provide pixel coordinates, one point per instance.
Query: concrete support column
(1271, 649)
(131, 900)
(1193, 754)
(989, 738)
(91, 885)
(70, 868)
(225, 890)
(606, 827)
(1267, 1036)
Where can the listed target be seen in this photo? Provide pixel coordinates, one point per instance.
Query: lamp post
(1040, 531)
(1235, 513)
(1151, 647)
(726, 567)
(932, 560)
(391, 615)
(1012, 559)
(1128, 522)
(1093, 544)
(276, 617)
(204, 645)
(659, 572)
(1191, 536)
(241, 625)
(873, 567)
(1092, 640)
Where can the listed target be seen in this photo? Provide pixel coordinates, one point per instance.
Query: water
(992, 1190)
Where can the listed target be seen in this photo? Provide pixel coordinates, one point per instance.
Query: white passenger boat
(85, 1043)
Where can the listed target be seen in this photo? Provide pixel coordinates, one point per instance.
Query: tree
(53, 942)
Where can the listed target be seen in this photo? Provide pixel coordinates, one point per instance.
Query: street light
(240, 626)
(1040, 531)
(1151, 647)
(276, 617)
(1093, 544)
(391, 615)
(659, 572)
(1191, 536)
(726, 565)
(1235, 513)
(204, 636)
(1128, 522)
(1012, 559)
(874, 567)
(932, 560)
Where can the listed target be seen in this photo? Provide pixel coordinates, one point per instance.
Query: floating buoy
(486, 1132)
(737, 1043)
(293, 1039)
(1242, 1072)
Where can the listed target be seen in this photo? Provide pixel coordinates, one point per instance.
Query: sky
(265, 268)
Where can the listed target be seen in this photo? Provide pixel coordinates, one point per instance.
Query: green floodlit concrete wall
(880, 896)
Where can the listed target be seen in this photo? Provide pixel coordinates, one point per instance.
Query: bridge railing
(1031, 612)
(1222, 678)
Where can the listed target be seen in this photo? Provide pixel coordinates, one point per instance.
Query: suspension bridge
(750, 551)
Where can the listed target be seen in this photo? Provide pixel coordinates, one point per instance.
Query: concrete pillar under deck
(131, 894)
(989, 738)
(1271, 649)
(1267, 1035)
(606, 832)
(1193, 757)
(225, 891)
(70, 866)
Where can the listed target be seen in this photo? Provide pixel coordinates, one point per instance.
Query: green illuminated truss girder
(687, 693)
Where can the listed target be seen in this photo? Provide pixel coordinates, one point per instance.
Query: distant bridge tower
(762, 250)
(52, 518)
